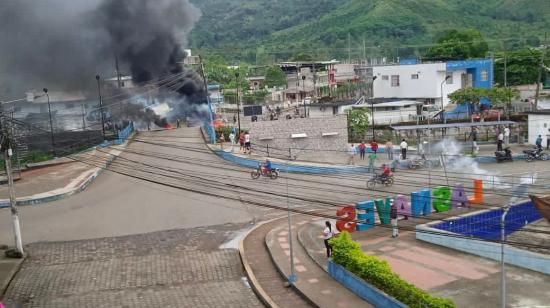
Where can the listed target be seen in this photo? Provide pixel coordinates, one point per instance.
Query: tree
(502, 97)
(469, 95)
(275, 77)
(522, 67)
(458, 45)
(358, 123)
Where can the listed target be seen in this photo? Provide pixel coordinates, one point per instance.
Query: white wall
(428, 84)
(538, 124)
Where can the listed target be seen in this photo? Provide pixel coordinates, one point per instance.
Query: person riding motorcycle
(267, 166)
(386, 172)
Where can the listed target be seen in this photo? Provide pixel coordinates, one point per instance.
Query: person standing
(403, 147)
(232, 139)
(506, 136)
(389, 149)
(372, 158)
(362, 150)
(548, 141)
(538, 143)
(327, 235)
(247, 143)
(393, 217)
(222, 140)
(352, 151)
(500, 139)
(473, 136)
(241, 142)
(374, 146)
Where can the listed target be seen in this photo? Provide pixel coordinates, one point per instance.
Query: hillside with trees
(262, 31)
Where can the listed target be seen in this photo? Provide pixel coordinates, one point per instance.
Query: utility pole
(238, 103)
(119, 82)
(540, 70)
(211, 126)
(97, 77)
(6, 144)
(83, 117)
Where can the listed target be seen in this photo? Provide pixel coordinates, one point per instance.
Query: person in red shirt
(386, 172)
(362, 149)
(374, 146)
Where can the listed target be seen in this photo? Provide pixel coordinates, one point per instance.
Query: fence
(124, 133)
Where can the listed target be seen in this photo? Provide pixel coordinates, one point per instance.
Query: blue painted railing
(124, 133)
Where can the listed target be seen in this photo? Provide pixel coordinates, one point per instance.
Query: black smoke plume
(63, 44)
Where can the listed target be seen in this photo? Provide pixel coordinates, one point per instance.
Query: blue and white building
(430, 82)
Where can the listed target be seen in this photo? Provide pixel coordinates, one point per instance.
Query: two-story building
(430, 82)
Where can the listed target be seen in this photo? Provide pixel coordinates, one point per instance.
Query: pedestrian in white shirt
(403, 147)
(352, 151)
(500, 139)
(327, 235)
(506, 136)
(247, 143)
(232, 139)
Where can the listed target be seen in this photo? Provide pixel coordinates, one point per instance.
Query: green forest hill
(271, 30)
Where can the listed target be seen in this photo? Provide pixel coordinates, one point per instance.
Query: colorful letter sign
(367, 218)
(347, 216)
(442, 199)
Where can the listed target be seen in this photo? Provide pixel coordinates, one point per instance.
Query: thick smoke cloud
(63, 44)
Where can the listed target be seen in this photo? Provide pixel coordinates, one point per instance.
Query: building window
(414, 76)
(449, 78)
(484, 75)
(69, 105)
(385, 77)
(395, 80)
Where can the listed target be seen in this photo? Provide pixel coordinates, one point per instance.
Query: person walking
(403, 147)
(500, 139)
(374, 146)
(506, 136)
(362, 150)
(247, 143)
(393, 217)
(352, 151)
(232, 139)
(372, 158)
(389, 149)
(327, 235)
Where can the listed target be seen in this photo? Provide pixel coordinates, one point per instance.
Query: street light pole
(51, 122)
(304, 89)
(442, 107)
(238, 103)
(100, 107)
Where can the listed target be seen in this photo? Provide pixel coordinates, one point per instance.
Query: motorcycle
(503, 156)
(416, 163)
(378, 178)
(534, 154)
(262, 171)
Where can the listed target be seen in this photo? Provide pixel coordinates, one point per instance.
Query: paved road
(99, 269)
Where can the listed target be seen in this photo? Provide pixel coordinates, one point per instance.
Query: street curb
(280, 270)
(256, 287)
(23, 201)
(4, 287)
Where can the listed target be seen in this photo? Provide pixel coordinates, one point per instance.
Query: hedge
(377, 272)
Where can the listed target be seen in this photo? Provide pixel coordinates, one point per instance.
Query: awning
(451, 125)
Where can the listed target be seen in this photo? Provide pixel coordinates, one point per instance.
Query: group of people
(503, 136)
(362, 150)
(244, 141)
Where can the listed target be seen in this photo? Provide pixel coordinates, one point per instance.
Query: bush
(377, 272)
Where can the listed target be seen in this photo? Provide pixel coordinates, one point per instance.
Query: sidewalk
(470, 281)
(313, 283)
(8, 268)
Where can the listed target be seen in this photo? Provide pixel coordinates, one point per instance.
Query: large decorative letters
(346, 219)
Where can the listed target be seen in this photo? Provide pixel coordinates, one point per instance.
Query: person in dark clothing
(327, 235)
(393, 217)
